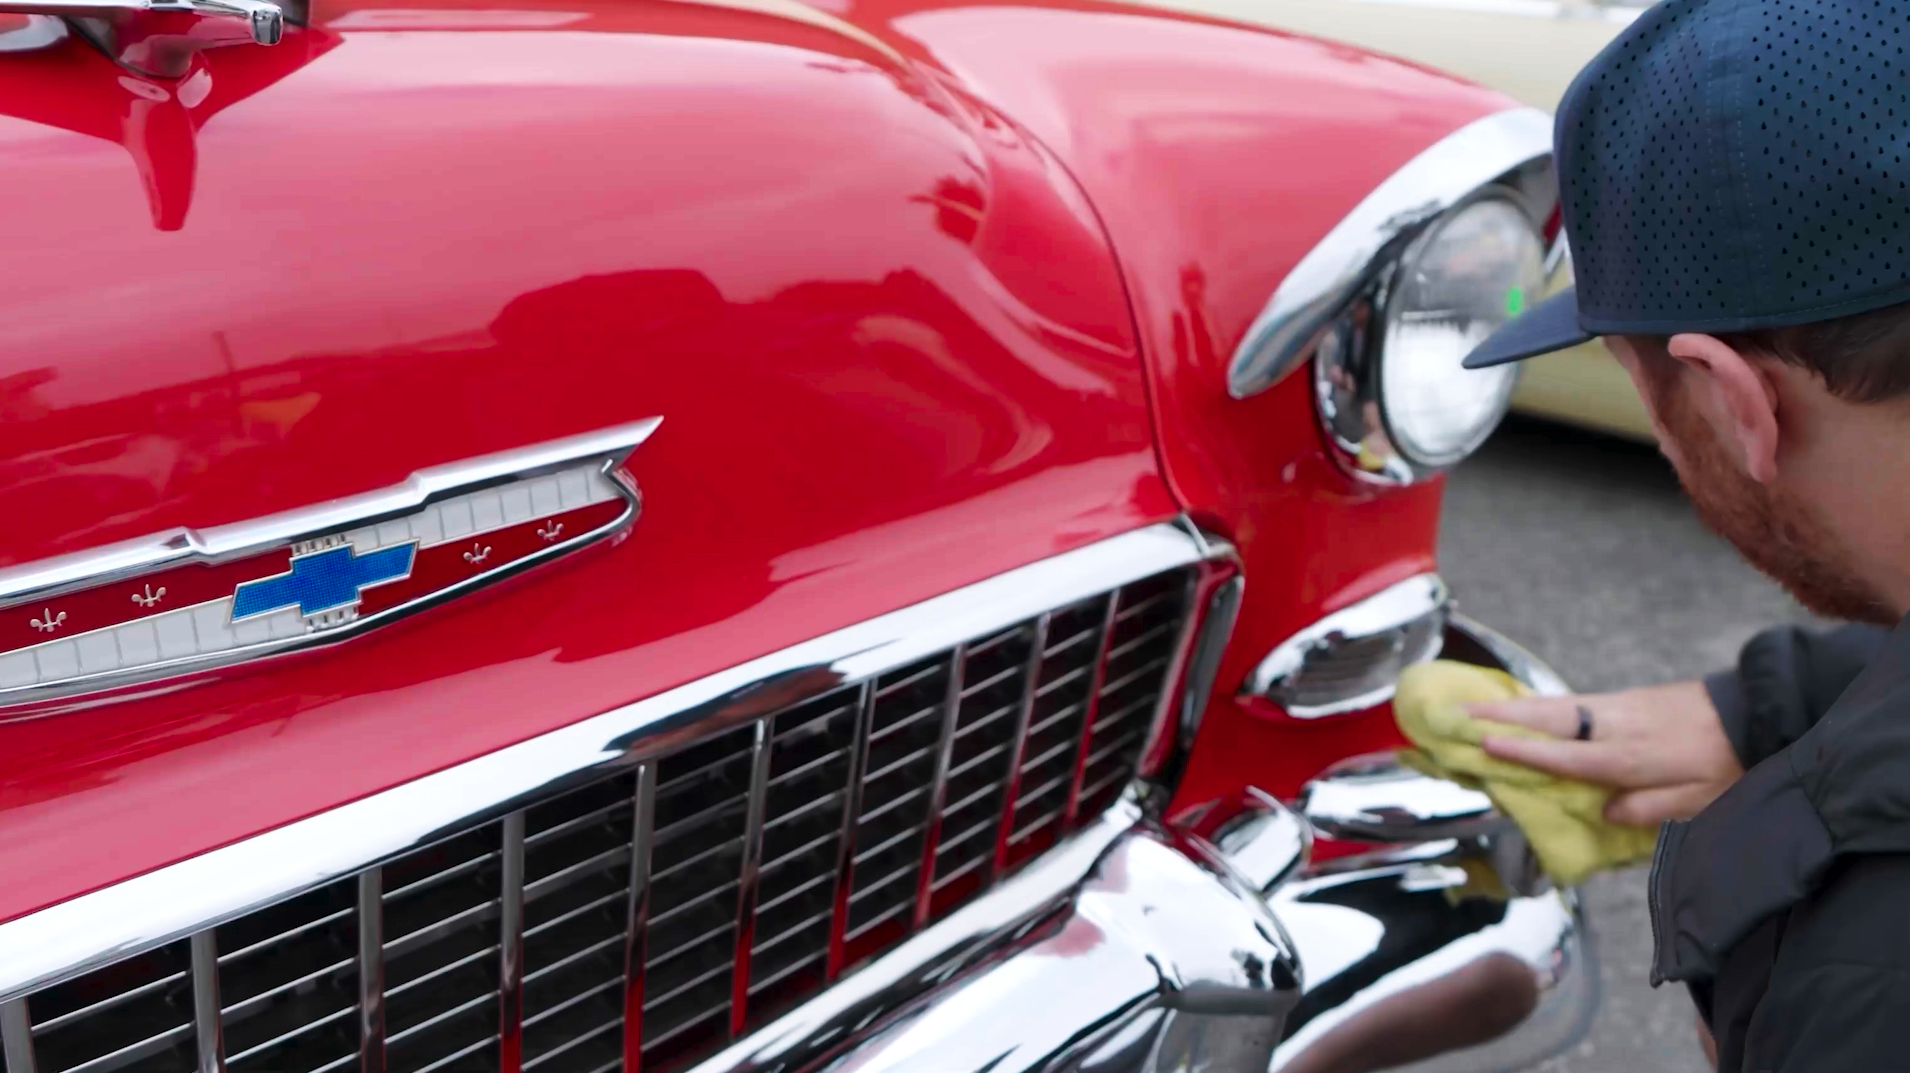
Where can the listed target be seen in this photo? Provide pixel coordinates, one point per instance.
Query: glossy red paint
(893, 345)
(1217, 157)
(884, 330)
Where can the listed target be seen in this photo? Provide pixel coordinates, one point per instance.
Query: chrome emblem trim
(193, 599)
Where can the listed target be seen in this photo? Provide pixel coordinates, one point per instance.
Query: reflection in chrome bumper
(1160, 963)
(1406, 972)
(1441, 950)
(1127, 950)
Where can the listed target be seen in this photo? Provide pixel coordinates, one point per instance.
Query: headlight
(1391, 392)
(1468, 275)
(1386, 305)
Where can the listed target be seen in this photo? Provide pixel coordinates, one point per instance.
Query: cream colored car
(1528, 49)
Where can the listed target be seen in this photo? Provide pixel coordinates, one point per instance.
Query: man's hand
(1660, 747)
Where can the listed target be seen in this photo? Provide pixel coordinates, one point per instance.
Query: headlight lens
(1472, 272)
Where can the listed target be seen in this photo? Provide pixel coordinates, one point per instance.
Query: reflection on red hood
(73, 86)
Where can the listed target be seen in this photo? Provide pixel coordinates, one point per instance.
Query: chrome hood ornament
(191, 599)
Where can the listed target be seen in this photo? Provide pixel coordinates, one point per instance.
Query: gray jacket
(1782, 904)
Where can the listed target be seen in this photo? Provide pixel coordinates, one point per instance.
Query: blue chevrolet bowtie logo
(324, 581)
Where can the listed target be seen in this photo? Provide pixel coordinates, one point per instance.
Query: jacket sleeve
(1786, 678)
(1832, 1019)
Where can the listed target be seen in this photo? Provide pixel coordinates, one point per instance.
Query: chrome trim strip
(846, 843)
(643, 805)
(1391, 608)
(1216, 629)
(1376, 798)
(1018, 752)
(68, 939)
(1091, 709)
(750, 871)
(1531, 671)
(371, 971)
(510, 946)
(938, 786)
(205, 1002)
(1163, 727)
(16, 1036)
(49, 578)
(1324, 280)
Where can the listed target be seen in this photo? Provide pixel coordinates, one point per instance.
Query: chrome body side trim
(1377, 230)
(1151, 929)
(1421, 600)
(68, 939)
(43, 581)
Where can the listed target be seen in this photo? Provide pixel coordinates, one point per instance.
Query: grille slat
(314, 1025)
(432, 1022)
(135, 1052)
(728, 880)
(456, 1056)
(456, 871)
(906, 724)
(587, 1037)
(108, 1003)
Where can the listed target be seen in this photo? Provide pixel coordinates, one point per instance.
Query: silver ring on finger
(1584, 724)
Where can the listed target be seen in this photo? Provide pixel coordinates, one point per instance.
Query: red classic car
(743, 535)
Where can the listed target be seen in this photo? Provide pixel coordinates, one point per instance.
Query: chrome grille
(696, 861)
(1141, 644)
(707, 890)
(288, 979)
(134, 1014)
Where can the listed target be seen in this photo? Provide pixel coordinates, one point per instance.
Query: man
(1735, 179)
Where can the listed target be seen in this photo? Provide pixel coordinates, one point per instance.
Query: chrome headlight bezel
(1351, 365)
(1333, 306)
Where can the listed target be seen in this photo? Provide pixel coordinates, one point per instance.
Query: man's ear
(1738, 391)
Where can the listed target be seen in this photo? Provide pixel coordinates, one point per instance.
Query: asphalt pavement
(1582, 548)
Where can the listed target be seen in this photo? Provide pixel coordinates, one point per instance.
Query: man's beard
(1783, 537)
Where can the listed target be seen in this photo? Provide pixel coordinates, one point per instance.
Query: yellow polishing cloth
(1563, 819)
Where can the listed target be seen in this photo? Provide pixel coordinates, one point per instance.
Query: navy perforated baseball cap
(1726, 165)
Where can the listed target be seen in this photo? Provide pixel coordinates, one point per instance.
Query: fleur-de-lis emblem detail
(150, 596)
(48, 621)
(550, 531)
(477, 554)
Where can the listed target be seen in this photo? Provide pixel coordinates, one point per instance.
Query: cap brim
(1550, 325)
